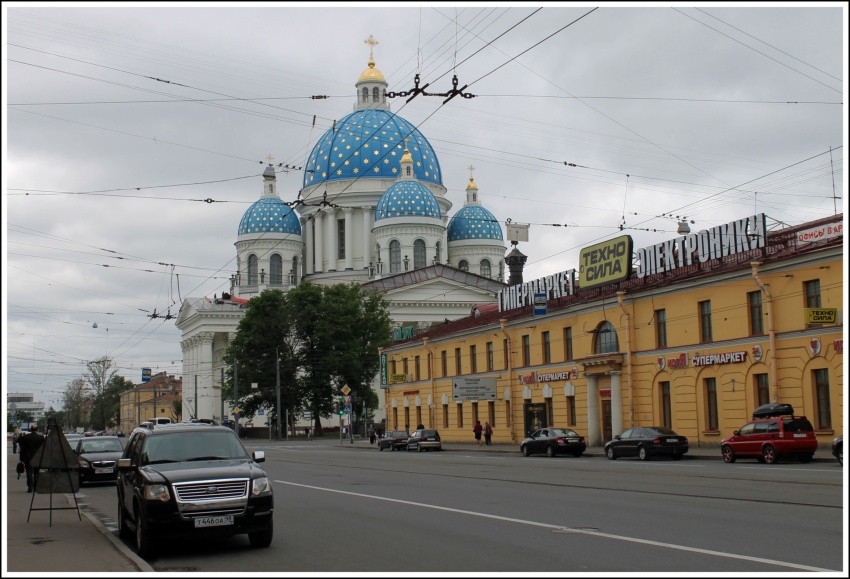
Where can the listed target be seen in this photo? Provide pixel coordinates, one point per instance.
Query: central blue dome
(369, 143)
(474, 222)
(270, 215)
(407, 198)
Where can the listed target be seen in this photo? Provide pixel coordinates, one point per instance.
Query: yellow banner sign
(398, 378)
(605, 263)
(821, 315)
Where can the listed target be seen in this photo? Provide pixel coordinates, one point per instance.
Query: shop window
(547, 348)
(666, 410)
(711, 404)
(756, 313)
(705, 321)
(762, 389)
(821, 381)
(606, 339)
(660, 328)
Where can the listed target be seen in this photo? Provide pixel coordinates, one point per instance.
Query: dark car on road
(838, 449)
(393, 440)
(186, 480)
(774, 432)
(98, 457)
(645, 442)
(553, 441)
(424, 439)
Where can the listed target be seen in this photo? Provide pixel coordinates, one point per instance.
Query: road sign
(346, 390)
(347, 409)
(473, 389)
(348, 400)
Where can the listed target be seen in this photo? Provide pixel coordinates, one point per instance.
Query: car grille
(103, 464)
(211, 490)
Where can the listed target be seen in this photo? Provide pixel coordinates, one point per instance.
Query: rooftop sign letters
(716, 243)
(821, 233)
(606, 262)
(725, 358)
(538, 377)
(553, 286)
(402, 333)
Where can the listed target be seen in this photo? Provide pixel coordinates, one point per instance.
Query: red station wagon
(773, 433)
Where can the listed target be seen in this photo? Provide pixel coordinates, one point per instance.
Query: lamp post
(277, 373)
(406, 262)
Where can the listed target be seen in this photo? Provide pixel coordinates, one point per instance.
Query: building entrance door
(535, 417)
(606, 420)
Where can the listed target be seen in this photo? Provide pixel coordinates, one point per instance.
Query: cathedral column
(594, 436)
(616, 403)
(205, 346)
(307, 226)
(349, 239)
(445, 256)
(319, 240)
(331, 252)
(367, 236)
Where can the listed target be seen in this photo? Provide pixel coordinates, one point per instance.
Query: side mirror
(617, 437)
(123, 464)
(736, 432)
(258, 456)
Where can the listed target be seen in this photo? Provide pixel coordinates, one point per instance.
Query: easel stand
(55, 471)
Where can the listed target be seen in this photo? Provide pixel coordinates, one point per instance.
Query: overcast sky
(120, 121)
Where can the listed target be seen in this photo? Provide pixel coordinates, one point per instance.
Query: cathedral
(372, 210)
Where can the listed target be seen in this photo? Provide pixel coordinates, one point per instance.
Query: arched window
(294, 273)
(395, 256)
(419, 257)
(276, 267)
(438, 256)
(376, 95)
(485, 268)
(271, 188)
(606, 339)
(463, 265)
(365, 94)
(252, 269)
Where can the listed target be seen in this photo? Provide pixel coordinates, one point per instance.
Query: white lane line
(563, 528)
(791, 469)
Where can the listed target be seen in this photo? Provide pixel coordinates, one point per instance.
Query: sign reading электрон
(473, 389)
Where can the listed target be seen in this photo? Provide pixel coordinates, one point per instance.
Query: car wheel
(381, 448)
(728, 454)
(550, 451)
(144, 542)
(262, 538)
(677, 457)
(576, 454)
(123, 530)
(610, 453)
(642, 454)
(524, 450)
(769, 455)
(840, 456)
(805, 458)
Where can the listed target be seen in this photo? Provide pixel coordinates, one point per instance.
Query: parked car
(393, 440)
(424, 439)
(553, 441)
(98, 457)
(774, 432)
(645, 442)
(838, 449)
(192, 480)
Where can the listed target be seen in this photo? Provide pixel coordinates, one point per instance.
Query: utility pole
(196, 396)
(277, 372)
(221, 394)
(236, 394)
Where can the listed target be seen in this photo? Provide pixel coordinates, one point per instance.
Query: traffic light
(341, 407)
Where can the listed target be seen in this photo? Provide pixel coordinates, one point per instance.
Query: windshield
(89, 446)
(184, 446)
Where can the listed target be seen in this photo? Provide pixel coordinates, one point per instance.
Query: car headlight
(157, 493)
(260, 485)
(84, 464)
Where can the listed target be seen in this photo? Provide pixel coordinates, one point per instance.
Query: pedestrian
(15, 436)
(371, 435)
(477, 431)
(420, 426)
(488, 433)
(30, 443)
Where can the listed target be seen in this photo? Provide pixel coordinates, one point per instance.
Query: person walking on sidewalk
(488, 432)
(477, 431)
(16, 436)
(30, 443)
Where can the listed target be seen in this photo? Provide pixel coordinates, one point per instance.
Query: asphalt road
(343, 510)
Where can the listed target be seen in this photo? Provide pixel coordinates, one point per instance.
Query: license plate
(431, 438)
(799, 435)
(673, 440)
(103, 471)
(221, 521)
(572, 440)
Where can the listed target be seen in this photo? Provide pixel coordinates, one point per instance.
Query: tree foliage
(74, 400)
(325, 336)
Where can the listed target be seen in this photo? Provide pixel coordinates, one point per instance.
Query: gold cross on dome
(471, 169)
(270, 158)
(372, 43)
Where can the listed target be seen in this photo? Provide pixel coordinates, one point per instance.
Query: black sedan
(553, 441)
(645, 442)
(98, 458)
(838, 449)
(393, 440)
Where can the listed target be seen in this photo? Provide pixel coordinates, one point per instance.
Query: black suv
(192, 479)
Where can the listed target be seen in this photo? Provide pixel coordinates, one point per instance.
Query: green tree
(106, 406)
(74, 401)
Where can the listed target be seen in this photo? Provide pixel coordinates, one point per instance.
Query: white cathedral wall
(474, 251)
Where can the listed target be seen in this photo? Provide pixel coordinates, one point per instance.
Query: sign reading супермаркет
(473, 389)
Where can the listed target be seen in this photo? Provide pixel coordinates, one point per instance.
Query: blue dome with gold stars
(474, 222)
(408, 198)
(270, 215)
(369, 143)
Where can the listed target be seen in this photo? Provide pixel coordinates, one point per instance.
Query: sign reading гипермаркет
(473, 389)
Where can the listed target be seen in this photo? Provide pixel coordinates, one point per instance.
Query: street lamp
(406, 262)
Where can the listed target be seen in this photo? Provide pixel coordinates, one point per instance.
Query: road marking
(562, 528)
(791, 469)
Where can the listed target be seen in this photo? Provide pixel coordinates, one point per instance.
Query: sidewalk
(72, 544)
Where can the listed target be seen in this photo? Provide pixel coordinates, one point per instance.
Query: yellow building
(706, 328)
(148, 400)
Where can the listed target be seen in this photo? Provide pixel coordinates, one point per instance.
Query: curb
(119, 545)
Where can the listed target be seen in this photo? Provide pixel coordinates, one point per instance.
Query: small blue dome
(369, 143)
(474, 222)
(408, 198)
(270, 215)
